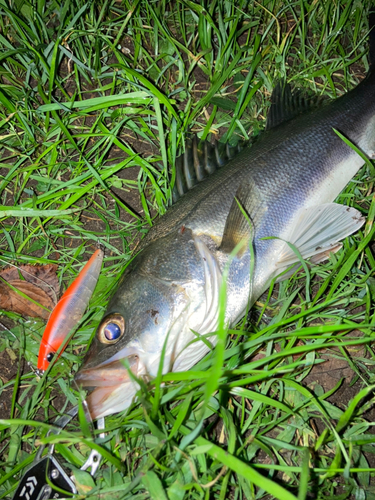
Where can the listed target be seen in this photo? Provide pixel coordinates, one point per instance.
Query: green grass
(90, 90)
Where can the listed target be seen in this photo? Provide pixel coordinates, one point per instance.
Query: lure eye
(111, 329)
(50, 356)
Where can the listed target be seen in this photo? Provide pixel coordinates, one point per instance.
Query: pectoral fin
(318, 230)
(242, 219)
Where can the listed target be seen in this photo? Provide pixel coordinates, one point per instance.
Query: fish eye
(50, 356)
(111, 329)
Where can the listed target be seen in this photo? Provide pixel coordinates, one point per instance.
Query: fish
(244, 221)
(69, 310)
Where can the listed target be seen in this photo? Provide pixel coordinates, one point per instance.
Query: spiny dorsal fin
(285, 105)
(200, 160)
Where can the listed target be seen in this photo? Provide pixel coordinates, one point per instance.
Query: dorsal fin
(285, 105)
(200, 160)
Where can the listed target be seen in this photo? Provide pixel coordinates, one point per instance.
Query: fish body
(285, 184)
(69, 310)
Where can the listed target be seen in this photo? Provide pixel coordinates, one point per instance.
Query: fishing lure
(69, 310)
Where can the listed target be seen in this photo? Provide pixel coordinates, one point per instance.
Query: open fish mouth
(107, 384)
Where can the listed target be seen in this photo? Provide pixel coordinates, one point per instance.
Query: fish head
(129, 337)
(160, 303)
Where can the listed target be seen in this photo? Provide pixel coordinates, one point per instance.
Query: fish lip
(106, 374)
(105, 382)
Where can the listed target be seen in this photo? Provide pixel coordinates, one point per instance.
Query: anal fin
(315, 259)
(325, 254)
(317, 232)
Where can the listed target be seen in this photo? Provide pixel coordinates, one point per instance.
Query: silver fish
(286, 184)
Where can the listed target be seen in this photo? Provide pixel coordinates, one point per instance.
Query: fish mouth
(107, 384)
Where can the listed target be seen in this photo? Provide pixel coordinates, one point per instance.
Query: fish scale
(283, 187)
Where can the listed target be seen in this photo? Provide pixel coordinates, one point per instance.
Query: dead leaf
(11, 300)
(40, 284)
(43, 277)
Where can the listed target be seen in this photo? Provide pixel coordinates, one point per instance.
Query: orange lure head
(47, 352)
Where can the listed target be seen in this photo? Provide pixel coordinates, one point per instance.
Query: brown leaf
(10, 300)
(43, 277)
